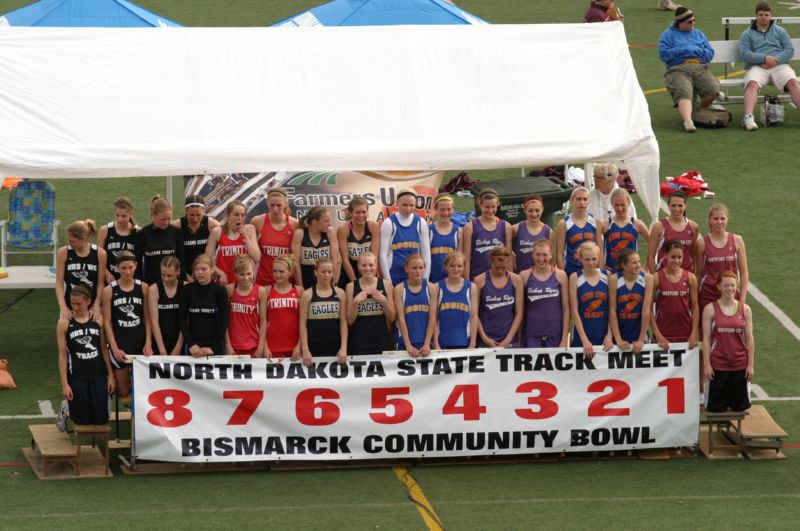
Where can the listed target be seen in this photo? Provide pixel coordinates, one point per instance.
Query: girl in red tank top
(283, 312)
(717, 252)
(676, 316)
(728, 347)
(232, 238)
(275, 230)
(674, 227)
(247, 329)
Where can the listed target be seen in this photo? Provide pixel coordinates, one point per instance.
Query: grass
(753, 173)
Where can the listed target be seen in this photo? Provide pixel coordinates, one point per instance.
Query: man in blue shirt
(687, 52)
(767, 50)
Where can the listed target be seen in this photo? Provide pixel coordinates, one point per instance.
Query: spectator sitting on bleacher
(605, 182)
(687, 52)
(766, 48)
(602, 11)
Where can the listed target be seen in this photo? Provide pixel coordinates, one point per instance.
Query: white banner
(480, 402)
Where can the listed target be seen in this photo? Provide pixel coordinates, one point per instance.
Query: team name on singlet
(81, 266)
(240, 307)
(283, 302)
(581, 237)
(441, 250)
(354, 250)
(631, 301)
(159, 252)
(482, 245)
(170, 306)
(84, 332)
(720, 258)
(370, 307)
(311, 255)
(405, 245)
(203, 310)
(454, 306)
(274, 250)
(324, 310)
(535, 294)
(597, 298)
(730, 330)
(231, 250)
(495, 301)
(195, 243)
(674, 293)
(116, 246)
(416, 308)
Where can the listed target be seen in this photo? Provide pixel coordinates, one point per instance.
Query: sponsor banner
(471, 402)
(307, 189)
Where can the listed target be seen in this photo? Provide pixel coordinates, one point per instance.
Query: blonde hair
(587, 246)
(453, 256)
(717, 207)
(322, 261)
(202, 259)
(124, 203)
(241, 263)
(488, 194)
(578, 189)
(229, 208)
(411, 258)
(159, 204)
(171, 261)
(621, 192)
(287, 260)
(82, 229)
(500, 251)
(367, 254)
(443, 198)
(280, 192)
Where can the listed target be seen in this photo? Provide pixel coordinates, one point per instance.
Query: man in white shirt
(605, 182)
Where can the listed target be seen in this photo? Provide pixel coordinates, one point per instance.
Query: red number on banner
(619, 391)
(676, 402)
(470, 407)
(402, 407)
(177, 400)
(248, 405)
(313, 413)
(543, 400)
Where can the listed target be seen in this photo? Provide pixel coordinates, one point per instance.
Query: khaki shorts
(686, 79)
(778, 75)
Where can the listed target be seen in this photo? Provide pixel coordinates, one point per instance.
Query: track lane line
(414, 491)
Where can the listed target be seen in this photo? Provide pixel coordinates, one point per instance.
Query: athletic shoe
(667, 5)
(689, 126)
(749, 123)
(61, 419)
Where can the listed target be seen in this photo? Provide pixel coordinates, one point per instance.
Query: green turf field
(755, 174)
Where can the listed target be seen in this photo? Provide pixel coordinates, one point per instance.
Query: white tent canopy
(91, 102)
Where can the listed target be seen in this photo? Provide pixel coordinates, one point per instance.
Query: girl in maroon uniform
(275, 230)
(676, 226)
(717, 252)
(676, 317)
(283, 311)
(247, 329)
(728, 348)
(232, 238)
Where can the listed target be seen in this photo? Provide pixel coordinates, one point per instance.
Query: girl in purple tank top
(528, 232)
(546, 301)
(501, 303)
(484, 234)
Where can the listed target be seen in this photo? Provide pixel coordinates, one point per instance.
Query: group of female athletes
(279, 287)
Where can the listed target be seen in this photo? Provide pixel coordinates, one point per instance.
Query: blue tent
(84, 14)
(382, 13)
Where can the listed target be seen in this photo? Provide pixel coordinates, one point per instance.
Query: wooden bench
(761, 436)
(725, 442)
(53, 445)
(118, 417)
(727, 53)
(100, 432)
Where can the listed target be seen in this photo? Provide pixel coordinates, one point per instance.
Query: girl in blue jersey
(588, 296)
(445, 236)
(575, 229)
(416, 316)
(631, 298)
(402, 234)
(457, 307)
(501, 304)
(621, 231)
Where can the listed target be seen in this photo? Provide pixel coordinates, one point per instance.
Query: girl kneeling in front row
(457, 307)
(248, 311)
(416, 315)
(323, 324)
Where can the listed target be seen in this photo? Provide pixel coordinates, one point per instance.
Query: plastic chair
(31, 224)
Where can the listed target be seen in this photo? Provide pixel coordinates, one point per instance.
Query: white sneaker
(689, 126)
(667, 5)
(749, 123)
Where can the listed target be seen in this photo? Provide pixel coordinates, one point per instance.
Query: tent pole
(169, 189)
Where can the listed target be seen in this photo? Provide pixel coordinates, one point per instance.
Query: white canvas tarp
(134, 102)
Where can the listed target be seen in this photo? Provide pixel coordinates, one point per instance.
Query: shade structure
(106, 103)
(84, 14)
(381, 13)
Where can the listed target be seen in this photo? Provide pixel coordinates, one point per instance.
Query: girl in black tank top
(369, 310)
(323, 327)
(79, 263)
(165, 310)
(194, 240)
(126, 319)
(118, 235)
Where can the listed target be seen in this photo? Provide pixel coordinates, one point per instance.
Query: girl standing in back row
(356, 237)
(314, 239)
(676, 226)
(717, 252)
(195, 228)
(275, 230)
(232, 238)
(526, 233)
(445, 237)
(80, 263)
(484, 234)
(574, 230)
(402, 234)
(157, 240)
(117, 235)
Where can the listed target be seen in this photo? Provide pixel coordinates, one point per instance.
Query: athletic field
(755, 174)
